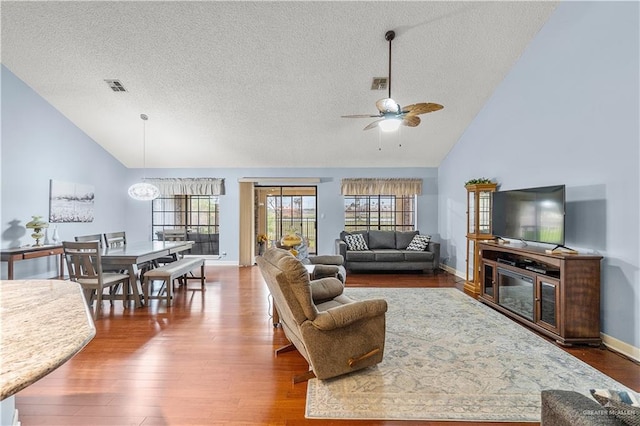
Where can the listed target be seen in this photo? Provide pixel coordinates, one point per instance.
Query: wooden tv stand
(558, 295)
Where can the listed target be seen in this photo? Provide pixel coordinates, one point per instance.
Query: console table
(11, 255)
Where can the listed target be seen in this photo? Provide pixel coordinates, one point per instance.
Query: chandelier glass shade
(144, 191)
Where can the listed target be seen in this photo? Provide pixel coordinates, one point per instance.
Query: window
(197, 215)
(382, 212)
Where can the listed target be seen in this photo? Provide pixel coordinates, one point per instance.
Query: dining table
(129, 256)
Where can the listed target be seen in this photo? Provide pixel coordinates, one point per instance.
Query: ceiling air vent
(379, 83)
(116, 85)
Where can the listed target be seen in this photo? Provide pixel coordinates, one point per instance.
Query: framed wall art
(71, 202)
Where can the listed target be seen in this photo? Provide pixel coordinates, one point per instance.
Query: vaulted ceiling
(264, 84)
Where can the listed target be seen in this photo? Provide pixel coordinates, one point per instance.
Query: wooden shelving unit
(478, 230)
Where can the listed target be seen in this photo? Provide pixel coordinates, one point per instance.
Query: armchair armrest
(325, 289)
(326, 259)
(344, 315)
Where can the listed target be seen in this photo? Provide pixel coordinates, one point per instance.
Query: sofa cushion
(388, 255)
(382, 240)
(419, 243)
(403, 238)
(355, 242)
(360, 256)
(417, 256)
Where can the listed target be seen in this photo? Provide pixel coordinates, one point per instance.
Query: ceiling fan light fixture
(390, 124)
(390, 114)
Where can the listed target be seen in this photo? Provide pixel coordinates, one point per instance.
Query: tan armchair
(327, 266)
(334, 333)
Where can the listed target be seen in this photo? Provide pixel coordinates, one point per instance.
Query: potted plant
(261, 239)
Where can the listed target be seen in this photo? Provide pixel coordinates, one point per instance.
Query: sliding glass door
(285, 209)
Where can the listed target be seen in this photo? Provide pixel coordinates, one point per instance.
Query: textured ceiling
(263, 84)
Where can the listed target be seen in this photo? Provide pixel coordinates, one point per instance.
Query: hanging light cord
(390, 37)
(144, 118)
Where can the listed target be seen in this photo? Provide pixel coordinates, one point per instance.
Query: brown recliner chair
(334, 333)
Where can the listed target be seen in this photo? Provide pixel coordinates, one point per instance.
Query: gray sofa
(569, 408)
(387, 251)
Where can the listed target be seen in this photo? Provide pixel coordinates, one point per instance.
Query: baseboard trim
(218, 262)
(452, 271)
(621, 347)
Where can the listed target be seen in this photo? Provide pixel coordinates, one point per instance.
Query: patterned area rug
(448, 357)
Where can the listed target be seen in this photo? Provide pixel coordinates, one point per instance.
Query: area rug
(449, 357)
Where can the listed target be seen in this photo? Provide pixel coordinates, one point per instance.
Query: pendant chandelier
(144, 191)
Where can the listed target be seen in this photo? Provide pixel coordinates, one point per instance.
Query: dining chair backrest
(90, 238)
(174, 235)
(115, 239)
(83, 259)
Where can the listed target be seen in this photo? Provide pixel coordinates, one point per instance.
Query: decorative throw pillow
(419, 242)
(622, 405)
(356, 242)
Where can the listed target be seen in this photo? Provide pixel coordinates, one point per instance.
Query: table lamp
(37, 224)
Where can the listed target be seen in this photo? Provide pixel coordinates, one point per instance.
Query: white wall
(568, 113)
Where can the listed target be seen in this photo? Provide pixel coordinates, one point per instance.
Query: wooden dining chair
(85, 267)
(172, 235)
(89, 238)
(115, 239)
(119, 239)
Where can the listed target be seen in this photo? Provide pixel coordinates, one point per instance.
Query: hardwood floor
(208, 360)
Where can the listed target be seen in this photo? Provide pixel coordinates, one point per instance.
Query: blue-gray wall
(39, 144)
(329, 199)
(568, 113)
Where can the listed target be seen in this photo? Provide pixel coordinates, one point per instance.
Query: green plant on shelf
(477, 181)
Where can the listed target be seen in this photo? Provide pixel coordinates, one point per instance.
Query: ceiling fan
(391, 115)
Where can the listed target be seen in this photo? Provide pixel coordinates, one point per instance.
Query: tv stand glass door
(516, 292)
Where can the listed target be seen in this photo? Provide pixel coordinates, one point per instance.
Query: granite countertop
(43, 323)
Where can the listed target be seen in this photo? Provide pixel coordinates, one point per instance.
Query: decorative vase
(55, 238)
(261, 248)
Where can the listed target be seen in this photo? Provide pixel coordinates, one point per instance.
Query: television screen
(531, 214)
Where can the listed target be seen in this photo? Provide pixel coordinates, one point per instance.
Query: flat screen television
(530, 214)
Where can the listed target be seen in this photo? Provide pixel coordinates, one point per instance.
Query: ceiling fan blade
(411, 120)
(360, 116)
(421, 108)
(373, 125)
(388, 105)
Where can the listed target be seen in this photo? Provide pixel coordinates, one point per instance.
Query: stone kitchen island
(43, 323)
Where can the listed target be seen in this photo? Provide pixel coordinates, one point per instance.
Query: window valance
(188, 186)
(376, 186)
